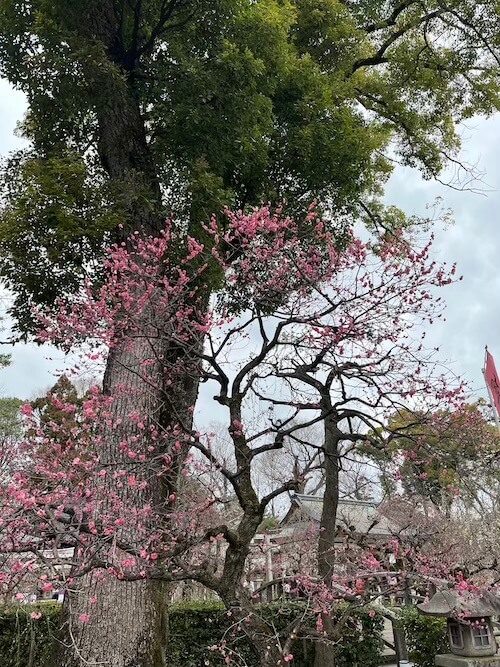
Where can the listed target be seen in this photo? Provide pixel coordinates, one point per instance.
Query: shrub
(194, 627)
(425, 636)
(27, 641)
(361, 644)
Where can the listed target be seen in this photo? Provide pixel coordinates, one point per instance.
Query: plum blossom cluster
(305, 329)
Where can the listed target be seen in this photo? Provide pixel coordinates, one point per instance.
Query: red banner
(491, 377)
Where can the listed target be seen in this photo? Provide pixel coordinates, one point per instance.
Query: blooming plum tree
(301, 332)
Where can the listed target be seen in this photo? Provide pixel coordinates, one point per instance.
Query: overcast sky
(473, 315)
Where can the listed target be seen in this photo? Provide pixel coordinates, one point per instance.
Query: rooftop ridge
(342, 501)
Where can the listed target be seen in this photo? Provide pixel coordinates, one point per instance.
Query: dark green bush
(425, 636)
(26, 641)
(194, 628)
(361, 644)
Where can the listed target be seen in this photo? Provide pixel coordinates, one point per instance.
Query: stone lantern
(470, 631)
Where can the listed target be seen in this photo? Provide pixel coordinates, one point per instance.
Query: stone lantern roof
(450, 603)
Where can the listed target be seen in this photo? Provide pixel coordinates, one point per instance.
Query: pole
(269, 558)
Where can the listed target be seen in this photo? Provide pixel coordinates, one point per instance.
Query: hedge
(27, 641)
(194, 628)
(425, 636)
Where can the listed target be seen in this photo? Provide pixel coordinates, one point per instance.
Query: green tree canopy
(140, 108)
(437, 455)
(51, 408)
(10, 417)
(10, 434)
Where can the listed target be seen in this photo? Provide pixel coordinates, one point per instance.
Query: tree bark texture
(328, 524)
(126, 624)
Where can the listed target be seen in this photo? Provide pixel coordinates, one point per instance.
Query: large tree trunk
(108, 621)
(126, 628)
(126, 624)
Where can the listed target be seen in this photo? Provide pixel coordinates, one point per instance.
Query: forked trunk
(243, 610)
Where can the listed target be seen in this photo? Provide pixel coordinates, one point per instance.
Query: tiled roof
(357, 516)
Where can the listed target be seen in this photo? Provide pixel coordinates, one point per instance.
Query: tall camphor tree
(140, 107)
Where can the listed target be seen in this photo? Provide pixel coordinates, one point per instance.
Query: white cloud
(473, 313)
(12, 108)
